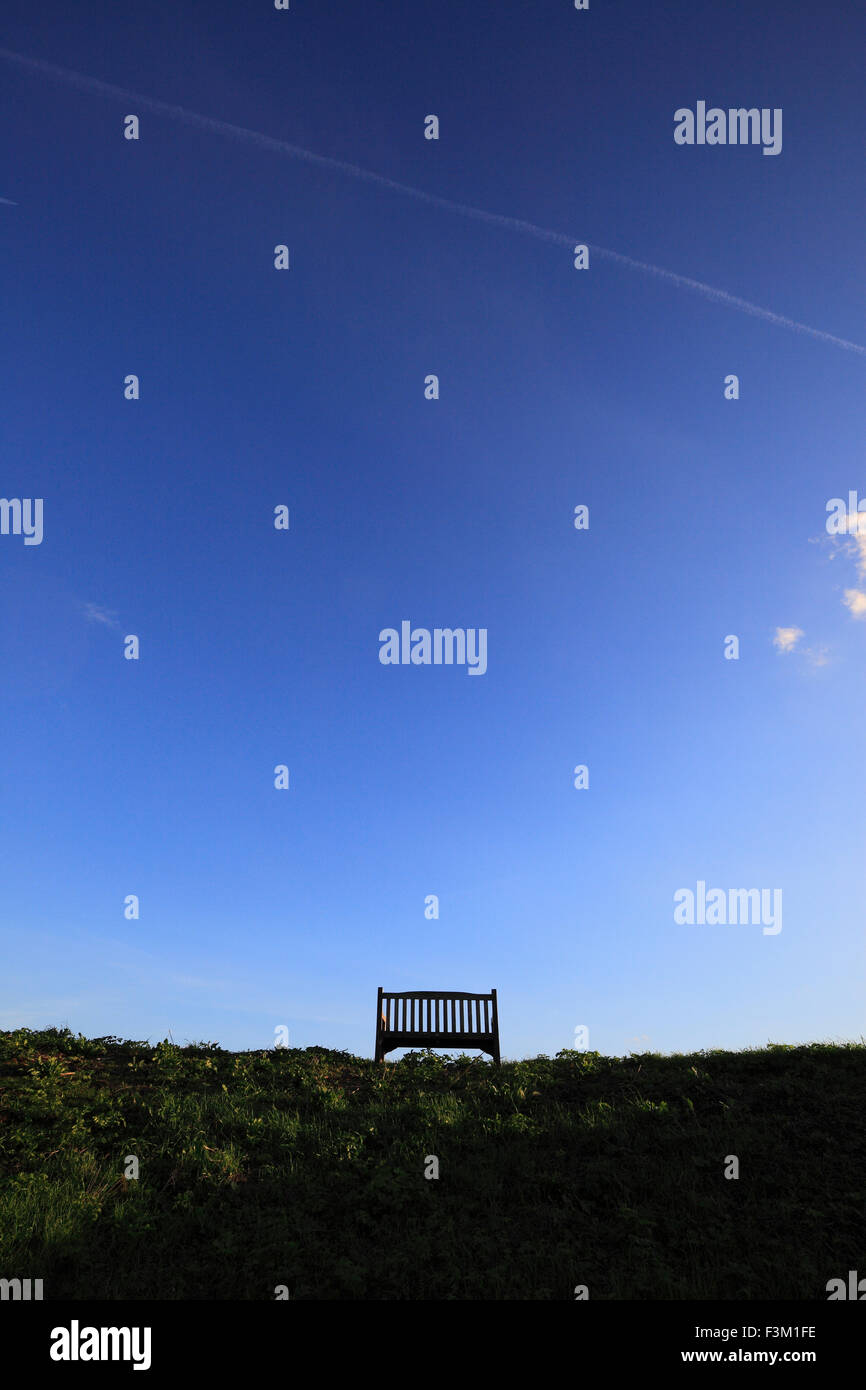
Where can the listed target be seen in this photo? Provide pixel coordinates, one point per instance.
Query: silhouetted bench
(434, 1018)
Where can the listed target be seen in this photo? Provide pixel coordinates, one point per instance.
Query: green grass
(306, 1168)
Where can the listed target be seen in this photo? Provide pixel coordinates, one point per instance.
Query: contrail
(355, 171)
(8, 202)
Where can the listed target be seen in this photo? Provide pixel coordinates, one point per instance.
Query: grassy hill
(307, 1169)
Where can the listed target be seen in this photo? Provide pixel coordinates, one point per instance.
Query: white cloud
(850, 543)
(854, 545)
(855, 601)
(817, 655)
(786, 638)
(94, 614)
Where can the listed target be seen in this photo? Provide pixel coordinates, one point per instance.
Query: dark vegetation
(305, 1168)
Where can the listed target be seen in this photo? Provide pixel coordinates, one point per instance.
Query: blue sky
(558, 387)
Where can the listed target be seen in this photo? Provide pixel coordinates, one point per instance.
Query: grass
(305, 1168)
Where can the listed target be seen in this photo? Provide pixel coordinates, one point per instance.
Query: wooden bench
(432, 1018)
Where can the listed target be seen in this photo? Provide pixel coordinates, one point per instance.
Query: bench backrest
(436, 1018)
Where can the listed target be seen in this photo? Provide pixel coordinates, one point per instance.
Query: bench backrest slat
(437, 1017)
